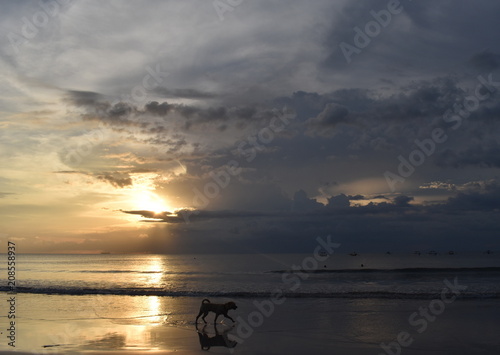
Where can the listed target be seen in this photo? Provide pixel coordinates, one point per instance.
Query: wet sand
(58, 324)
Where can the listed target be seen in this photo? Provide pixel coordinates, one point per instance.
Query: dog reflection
(219, 339)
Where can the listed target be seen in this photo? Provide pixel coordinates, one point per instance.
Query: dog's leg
(204, 317)
(216, 316)
(230, 318)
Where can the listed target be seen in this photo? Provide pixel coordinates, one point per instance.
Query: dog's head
(230, 305)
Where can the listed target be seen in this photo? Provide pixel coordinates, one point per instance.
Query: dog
(218, 309)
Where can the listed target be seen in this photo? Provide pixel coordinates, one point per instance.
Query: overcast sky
(249, 126)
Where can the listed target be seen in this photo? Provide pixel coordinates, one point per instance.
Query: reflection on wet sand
(218, 339)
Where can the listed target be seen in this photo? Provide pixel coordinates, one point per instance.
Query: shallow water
(49, 324)
(257, 275)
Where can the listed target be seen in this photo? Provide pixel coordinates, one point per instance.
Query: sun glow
(143, 195)
(149, 201)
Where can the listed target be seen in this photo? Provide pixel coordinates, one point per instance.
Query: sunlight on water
(154, 270)
(154, 306)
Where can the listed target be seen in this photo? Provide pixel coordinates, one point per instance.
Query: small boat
(417, 252)
(432, 252)
(353, 254)
(451, 252)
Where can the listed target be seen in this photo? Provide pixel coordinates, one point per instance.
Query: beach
(147, 304)
(93, 324)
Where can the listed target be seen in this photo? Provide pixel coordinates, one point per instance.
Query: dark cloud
(485, 61)
(119, 180)
(389, 225)
(302, 203)
(183, 93)
(339, 201)
(120, 111)
(476, 201)
(188, 216)
(381, 118)
(158, 109)
(120, 115)
(85, 98)
(68, 172)
(474, 196)
(332, 115)
(403, 201)
(357, 198)
(423, 99)
(116, 179)
(149, 214)
(475, 155)
(352, 14)
(434, 32)
(470, 195)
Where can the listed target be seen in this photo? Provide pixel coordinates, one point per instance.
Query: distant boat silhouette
(417, 252)
(488, 252)
(451, 252)
(353, 254)
(432, 252)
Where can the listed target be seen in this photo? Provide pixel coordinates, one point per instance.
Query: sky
(238, 126)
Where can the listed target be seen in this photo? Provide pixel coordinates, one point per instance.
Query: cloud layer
(252, 123)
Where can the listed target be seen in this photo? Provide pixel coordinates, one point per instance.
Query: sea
(390, 276)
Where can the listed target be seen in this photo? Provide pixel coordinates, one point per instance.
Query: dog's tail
(206, 300)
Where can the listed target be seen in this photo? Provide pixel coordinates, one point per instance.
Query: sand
(164, 325)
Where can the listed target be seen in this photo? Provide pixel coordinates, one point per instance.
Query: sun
(149, 201)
